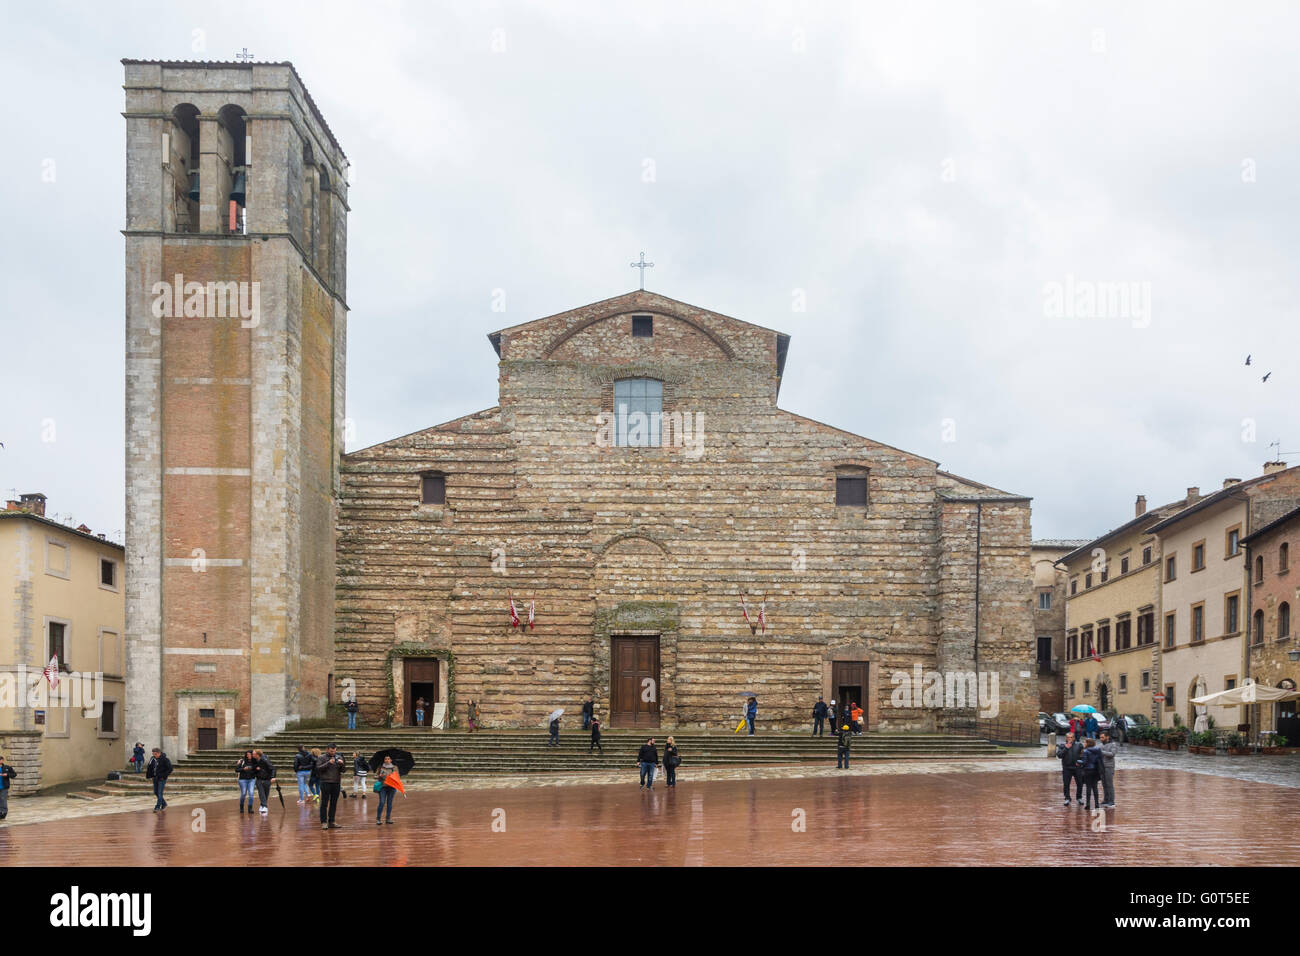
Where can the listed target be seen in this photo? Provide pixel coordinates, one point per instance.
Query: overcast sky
(922, 174)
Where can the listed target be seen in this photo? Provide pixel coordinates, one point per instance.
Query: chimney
(1229, 482)
(1140, 508)
(1193, 495)
(1273, 466)
(33, 503)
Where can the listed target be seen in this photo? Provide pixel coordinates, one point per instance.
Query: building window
(1123, 565)
(1146, 680)
(433, 489)
(207, 712)
(1087, 687)
(108, 573)
(1123, 683)
(58, 558)
(1198, 623)
(1259, 627)
(1170, 704)
(1170, 629)
(851, 491)
(1103, 639)
(1071, 690)
(1087, 580)
(1283, 558)
(56, 644)
(1171, 568)
(1198, 556)
(1105, 573)
(1229, 682)
(108, 718)
(1146, 556)
(643, 326)
(1044, 652)
(1074, 585)
(1072, 648)
(1044, 600)
(1283, 620)
(1231, 610)
(1259, 569)
(1146, 628)
(1123, 634)
(1232, 544)
(110, 653)
(638, 410)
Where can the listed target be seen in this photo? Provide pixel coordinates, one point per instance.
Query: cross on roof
(244, 55)
(643, 266)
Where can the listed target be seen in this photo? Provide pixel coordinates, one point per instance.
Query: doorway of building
(421, 682)
(849, 685)
(1103, 697)
(1287, 719)
(207, 738)
(634, 681)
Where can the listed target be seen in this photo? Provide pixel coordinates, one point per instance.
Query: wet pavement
(1165, 816)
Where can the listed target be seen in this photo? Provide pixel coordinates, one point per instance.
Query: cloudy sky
(924, 177)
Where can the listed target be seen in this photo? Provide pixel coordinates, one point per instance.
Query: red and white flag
(531, 609)
(51, 672)
(514, 615)
(744, 609)
(762, 615)
(1093, 651)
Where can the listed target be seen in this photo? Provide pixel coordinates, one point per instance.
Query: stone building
(1272, 651)
(236, 240)
(62, 592)
(636, 484)
(1049, 599)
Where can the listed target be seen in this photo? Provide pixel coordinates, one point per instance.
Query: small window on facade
(1259, 569)
(1146, 680)
(1074, 586)
(1171, 629)
(1229, 683)
(1044, 600)
(1146, 556)
(1123, 683)
(1170, 703)
(1284, 620)
(1234, 541)
(1087, 580)
(1171, 568)
(107, 573)
(1259, 627)
(1123, 565)
(1071, 690)
(1198, 623)
(1198, 557)
(1283, 557)
(58, 644)
(207, 712)
(1087, 687)
(108, 717)
(433, 489)
(851, 491)
(638, 412)
(1231, 612)
(643, 326)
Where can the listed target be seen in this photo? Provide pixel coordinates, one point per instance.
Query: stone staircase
(524, 751)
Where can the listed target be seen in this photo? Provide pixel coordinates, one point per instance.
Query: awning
(1250, 693)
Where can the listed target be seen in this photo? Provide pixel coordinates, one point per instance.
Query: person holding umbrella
(329, 770)
(555, 727)
(751, 713)
(386, 793)
(265, 777)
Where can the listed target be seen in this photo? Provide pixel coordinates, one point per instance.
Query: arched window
(231, 146)
(1259, 627)
(638, 411)
(183, 161)
(1284, 620)
(1283, 556)
(1259, 569)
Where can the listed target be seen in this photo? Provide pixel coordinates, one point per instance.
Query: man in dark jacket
(329, 768)
(7, 774)
(265, 777)
(555, 733)
(159, 769)
(595, 736)
(1108, 751)
(588, 711)
(1069, 753)
(351, 708)
(819, 717)
(647, 759)
(842, 744)
(302, 767)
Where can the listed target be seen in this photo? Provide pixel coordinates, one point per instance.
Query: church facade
(681, 542)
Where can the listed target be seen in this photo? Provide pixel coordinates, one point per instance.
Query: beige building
(62, 590)
(1204, 596)
(1112, 606)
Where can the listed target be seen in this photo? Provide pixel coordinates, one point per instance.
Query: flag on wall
(1093, 650)
(531, 609)
(762, 615)
(745, 611)
(51, 672)
(514, 615)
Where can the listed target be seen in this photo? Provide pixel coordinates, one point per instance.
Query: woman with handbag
(672, 760)
(247, 768)
(386, 794)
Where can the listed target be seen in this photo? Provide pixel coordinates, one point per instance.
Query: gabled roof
(1271, 526)
(1219, 497)
(1125, 528)
(15, 514)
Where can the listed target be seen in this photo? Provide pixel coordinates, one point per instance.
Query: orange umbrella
(394, 780)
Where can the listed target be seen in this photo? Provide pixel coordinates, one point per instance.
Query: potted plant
(1237, 744)
(1201, 743)
(1276, 746)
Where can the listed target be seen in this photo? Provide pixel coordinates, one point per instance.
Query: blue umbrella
(1083, 709)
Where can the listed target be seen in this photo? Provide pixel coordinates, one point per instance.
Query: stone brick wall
(22, 749)
(536, 506)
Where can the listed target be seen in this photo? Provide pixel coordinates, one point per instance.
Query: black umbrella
(402, 759)
(279, 793)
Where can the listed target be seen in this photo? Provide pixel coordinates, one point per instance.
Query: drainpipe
(979, 516)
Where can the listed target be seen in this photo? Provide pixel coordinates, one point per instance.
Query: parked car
(1133, 721)
(1056, 724)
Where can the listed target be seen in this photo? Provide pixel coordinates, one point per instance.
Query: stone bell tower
(236, 314)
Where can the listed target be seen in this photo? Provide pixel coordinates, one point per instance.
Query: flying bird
(1265, 378)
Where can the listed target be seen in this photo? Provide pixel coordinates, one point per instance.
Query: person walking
(265, 777)
(7, 774)
(647, 759)
(386, 794)
(352, 709)
(751, 714)
(246, 770)
(588, 713)
(1069, 753)
(831, 723)
(855, 712)
(555, 733)
(846, 714)
(819, 717)
(1076, 726)
(329, 773)
(303, 762)
(672, 760)
(842, 744)
(1109, 749)
(1090, 726)
(137, 757)
(359, 770)
(159, 769)
(595, 736)
(420, 704)
(313, 775)
(1091, 767)
(472, 716)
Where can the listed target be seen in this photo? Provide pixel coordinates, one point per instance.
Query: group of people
(647, 760)
(320, 778)
(1087, 763)
(850, 715)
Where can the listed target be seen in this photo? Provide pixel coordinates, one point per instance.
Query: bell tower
(236, 315)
